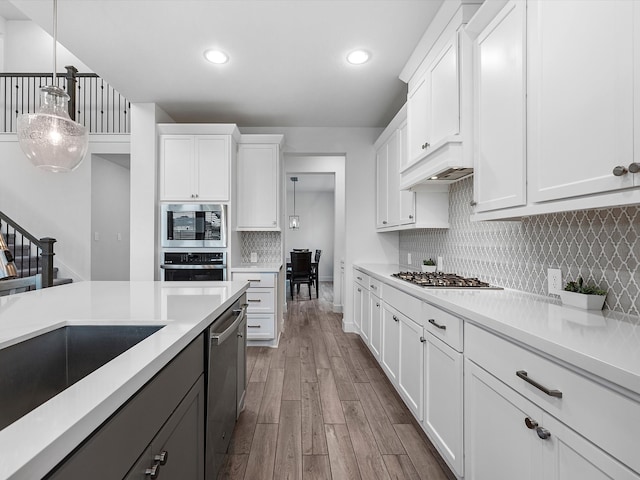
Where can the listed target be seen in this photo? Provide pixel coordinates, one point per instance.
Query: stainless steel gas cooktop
(443, 280)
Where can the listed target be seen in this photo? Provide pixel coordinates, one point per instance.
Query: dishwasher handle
(219, 338)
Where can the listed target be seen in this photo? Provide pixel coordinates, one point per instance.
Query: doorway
(320, 206)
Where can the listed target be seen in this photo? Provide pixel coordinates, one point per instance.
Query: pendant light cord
(294, 198)
(55, 38)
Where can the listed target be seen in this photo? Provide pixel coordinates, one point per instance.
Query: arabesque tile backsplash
(266, 244)
(600, 245)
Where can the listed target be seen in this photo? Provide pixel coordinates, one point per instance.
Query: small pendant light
(294, 220)
(49, 138)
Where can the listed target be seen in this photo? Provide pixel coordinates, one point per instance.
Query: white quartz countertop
(34, 444)
(603, 343)
(257, 267)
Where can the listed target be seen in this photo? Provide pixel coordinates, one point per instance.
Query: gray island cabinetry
(160, 429)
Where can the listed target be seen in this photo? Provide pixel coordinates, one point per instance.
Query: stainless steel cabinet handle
(619, 171)
(396, 318)
(552, 393)
(437, 325)
(634, 167)
(422, 339)
(543, 433)
(473, 203)
(254, 280)
(374, 287)
(253, 326)
(153, 471)
(425, 145)
(530, 423)
(161, 458)
(359, 278)
(254, 300)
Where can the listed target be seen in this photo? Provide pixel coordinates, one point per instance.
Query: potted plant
(587, 297)
(428, 265)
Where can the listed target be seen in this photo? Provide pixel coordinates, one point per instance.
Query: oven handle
(193, 267)
(219, 338)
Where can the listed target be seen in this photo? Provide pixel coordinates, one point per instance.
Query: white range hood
(445, 163)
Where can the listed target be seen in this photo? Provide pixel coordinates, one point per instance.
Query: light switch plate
(254, 257)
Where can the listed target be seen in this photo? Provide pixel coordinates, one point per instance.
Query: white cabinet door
(445, 97)
(498, 444)
(568, 456)
(176, 168)
(390, 342)
(257, 203)
(375, 339)
(418, 116)
(212, 167)
(382, 192)
(580, 97)
(411, 366)
(500, 113)
(393, 180)
(358, 296)
(443, 400)
(407, 197)
(365, 316)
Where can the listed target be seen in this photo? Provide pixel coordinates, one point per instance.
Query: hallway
(319, 407)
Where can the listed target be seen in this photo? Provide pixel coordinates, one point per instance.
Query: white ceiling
(287, 65)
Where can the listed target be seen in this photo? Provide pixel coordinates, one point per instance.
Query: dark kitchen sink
(37, 369)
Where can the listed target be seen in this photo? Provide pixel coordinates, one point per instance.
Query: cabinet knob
(395, 318)
(634, 167)
(422, 339)
(384, 222)
(425, 145)
(274, 222)
(619, 171)
(377, 304)
(543, 433)
(161, 458)
(530, 423)
(473, 203)
(410, 217)
(153, 471)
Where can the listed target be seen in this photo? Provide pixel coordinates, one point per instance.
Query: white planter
(428, 268)
(580, 300)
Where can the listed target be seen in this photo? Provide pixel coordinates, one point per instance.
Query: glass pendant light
(49, 138)
(294, 220)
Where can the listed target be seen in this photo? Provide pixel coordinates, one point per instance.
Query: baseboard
(349, 327)
(337, 308)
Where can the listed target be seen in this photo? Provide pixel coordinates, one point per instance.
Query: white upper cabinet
(439, 100)
(499, 109)
(258, 181)
(195, 167)
(581, 97)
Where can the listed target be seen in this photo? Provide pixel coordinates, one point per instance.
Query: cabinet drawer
(260, 300)
(260, 327)
(609, 419)
(403, 302)
(443, 325)
(260, 280)
(375, 286)
(361, 279)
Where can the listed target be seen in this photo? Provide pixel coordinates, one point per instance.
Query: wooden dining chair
(300, 271)
(22, 284)
(314, 271)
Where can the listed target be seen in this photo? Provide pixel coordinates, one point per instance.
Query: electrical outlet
(555, 280)
(439, 266)
(254, 257)
(408, 259)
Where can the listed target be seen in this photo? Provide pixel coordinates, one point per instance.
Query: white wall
(316, 212)
(28, 48)
(361, 242)
(110, 251)
(55, 205)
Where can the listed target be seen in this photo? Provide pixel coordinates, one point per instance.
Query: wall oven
(194, 266)
(192, 225)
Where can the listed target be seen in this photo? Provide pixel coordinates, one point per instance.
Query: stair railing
(93, 102)
(20, 241)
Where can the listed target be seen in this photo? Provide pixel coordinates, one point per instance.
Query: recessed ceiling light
(216, 56)
(358, 57)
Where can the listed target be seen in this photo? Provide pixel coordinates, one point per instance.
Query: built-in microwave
(193, 225)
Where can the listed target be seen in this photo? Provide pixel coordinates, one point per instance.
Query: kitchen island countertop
(602, 343)
(37, 442)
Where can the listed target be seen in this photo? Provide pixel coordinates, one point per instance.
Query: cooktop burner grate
(443, 280)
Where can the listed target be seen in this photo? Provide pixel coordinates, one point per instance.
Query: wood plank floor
(320, 407)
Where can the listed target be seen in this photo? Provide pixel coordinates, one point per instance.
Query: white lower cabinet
(510, 431)
(261, 301)
(375, 338)
(390, 358)
(443, 406)
(411, 366)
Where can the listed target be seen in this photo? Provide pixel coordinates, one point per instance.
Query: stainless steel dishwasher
(225, 360)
